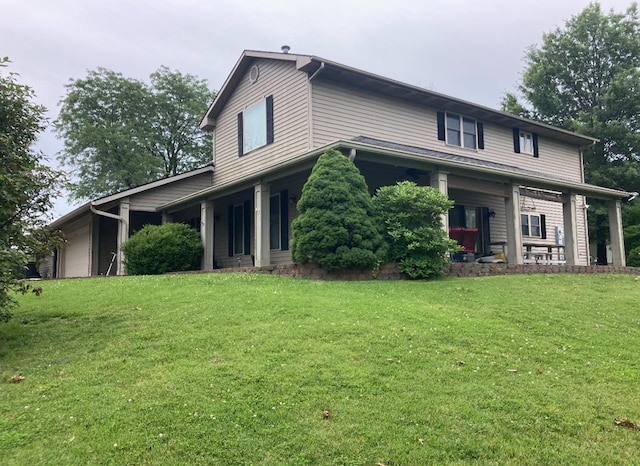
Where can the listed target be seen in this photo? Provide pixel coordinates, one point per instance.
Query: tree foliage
(336, 228)
(156, 249)
(120, 132)
(412, 219)
(585, 77)
(27, 186)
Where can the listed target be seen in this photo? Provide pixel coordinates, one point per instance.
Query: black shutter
(516, 140)
(441, 136)
(240, 135)
(535, 145)
(486, 230)
(543, 226)
(230, 230)
(480, 136)
(269, 119)
(284, 220)
(247, 227)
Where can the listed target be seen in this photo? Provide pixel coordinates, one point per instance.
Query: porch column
(570, 229)
(123, 234)
(166, 217)
(616, 233)
(206, 233)
(262, 218)
(440, 182)
(514, 229)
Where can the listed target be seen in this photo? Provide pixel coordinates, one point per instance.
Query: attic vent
(285, 49)
(254, 72)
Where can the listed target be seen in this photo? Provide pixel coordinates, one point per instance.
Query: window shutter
(240, 134)
(284, 220)
(247, 227)
(543, 226)
(480, 135)
(269, 119)
(535, 145)
(486, 230)
(230, 229)
(516, 140)
(441, 136)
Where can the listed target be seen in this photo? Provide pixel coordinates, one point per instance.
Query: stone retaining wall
(456, 269)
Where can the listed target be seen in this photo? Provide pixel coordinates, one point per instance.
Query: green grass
(238, 368)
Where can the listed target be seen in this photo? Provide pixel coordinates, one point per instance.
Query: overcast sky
(469, 49)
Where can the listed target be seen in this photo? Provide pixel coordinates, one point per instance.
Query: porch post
(440, 181)
(616, 233)
(570, 229)
(514, 231)
(123, 234)
(166, 217)
(262, 219)
(206, 233)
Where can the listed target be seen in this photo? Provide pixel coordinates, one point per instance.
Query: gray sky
(465, 48)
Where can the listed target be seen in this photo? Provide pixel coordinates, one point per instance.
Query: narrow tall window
(274, 221)
(526, 143)
(238, 229)
(255, 126)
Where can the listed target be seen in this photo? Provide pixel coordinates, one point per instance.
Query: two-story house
(518, 185)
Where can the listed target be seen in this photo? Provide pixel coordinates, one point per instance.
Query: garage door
(76, 255)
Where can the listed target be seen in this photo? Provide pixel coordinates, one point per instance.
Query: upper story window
(459, 130)
(525, 142)
(255, 126)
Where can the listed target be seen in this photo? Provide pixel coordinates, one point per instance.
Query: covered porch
(529, 217)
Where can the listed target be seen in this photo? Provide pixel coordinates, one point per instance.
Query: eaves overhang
(399, 152)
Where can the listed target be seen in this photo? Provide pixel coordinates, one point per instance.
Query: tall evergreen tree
(336, 228)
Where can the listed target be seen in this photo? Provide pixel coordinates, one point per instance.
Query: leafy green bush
(633, 258)
(631, 238)
(336, 228)
(411, 215)
(156, 249)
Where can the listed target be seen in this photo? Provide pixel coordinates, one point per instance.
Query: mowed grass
(238, 368)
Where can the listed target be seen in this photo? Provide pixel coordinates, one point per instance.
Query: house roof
(327, 69)
(444, 160)
(84, 208)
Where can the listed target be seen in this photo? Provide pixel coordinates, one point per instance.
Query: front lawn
(252, 369)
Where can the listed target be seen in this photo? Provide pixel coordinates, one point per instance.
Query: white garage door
(77, 253)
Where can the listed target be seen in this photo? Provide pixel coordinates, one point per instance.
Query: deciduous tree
(120, 133)
(27, 186)
(585, 77)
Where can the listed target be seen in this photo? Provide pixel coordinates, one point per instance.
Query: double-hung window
(255, 126)
(531, 225)
(459, 130)
(525, 142)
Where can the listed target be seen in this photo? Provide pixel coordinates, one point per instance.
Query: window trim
(269, 132)
(529, 225)
(526, 136)
(444, 130)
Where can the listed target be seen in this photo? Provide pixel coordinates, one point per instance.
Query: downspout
(585, 206)
(310, 104)
(123, 221)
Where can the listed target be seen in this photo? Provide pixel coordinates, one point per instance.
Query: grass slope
(238, 368)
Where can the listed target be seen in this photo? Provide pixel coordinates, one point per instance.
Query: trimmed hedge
(156, 249)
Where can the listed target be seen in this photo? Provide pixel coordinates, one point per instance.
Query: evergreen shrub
(156, 249)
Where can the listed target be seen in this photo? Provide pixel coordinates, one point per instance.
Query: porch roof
(431, 158)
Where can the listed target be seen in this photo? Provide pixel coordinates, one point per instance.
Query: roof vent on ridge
(285, 49)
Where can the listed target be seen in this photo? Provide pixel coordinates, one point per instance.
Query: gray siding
(341, 112)
(75, 258)
(151, 199)
(290, 116)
